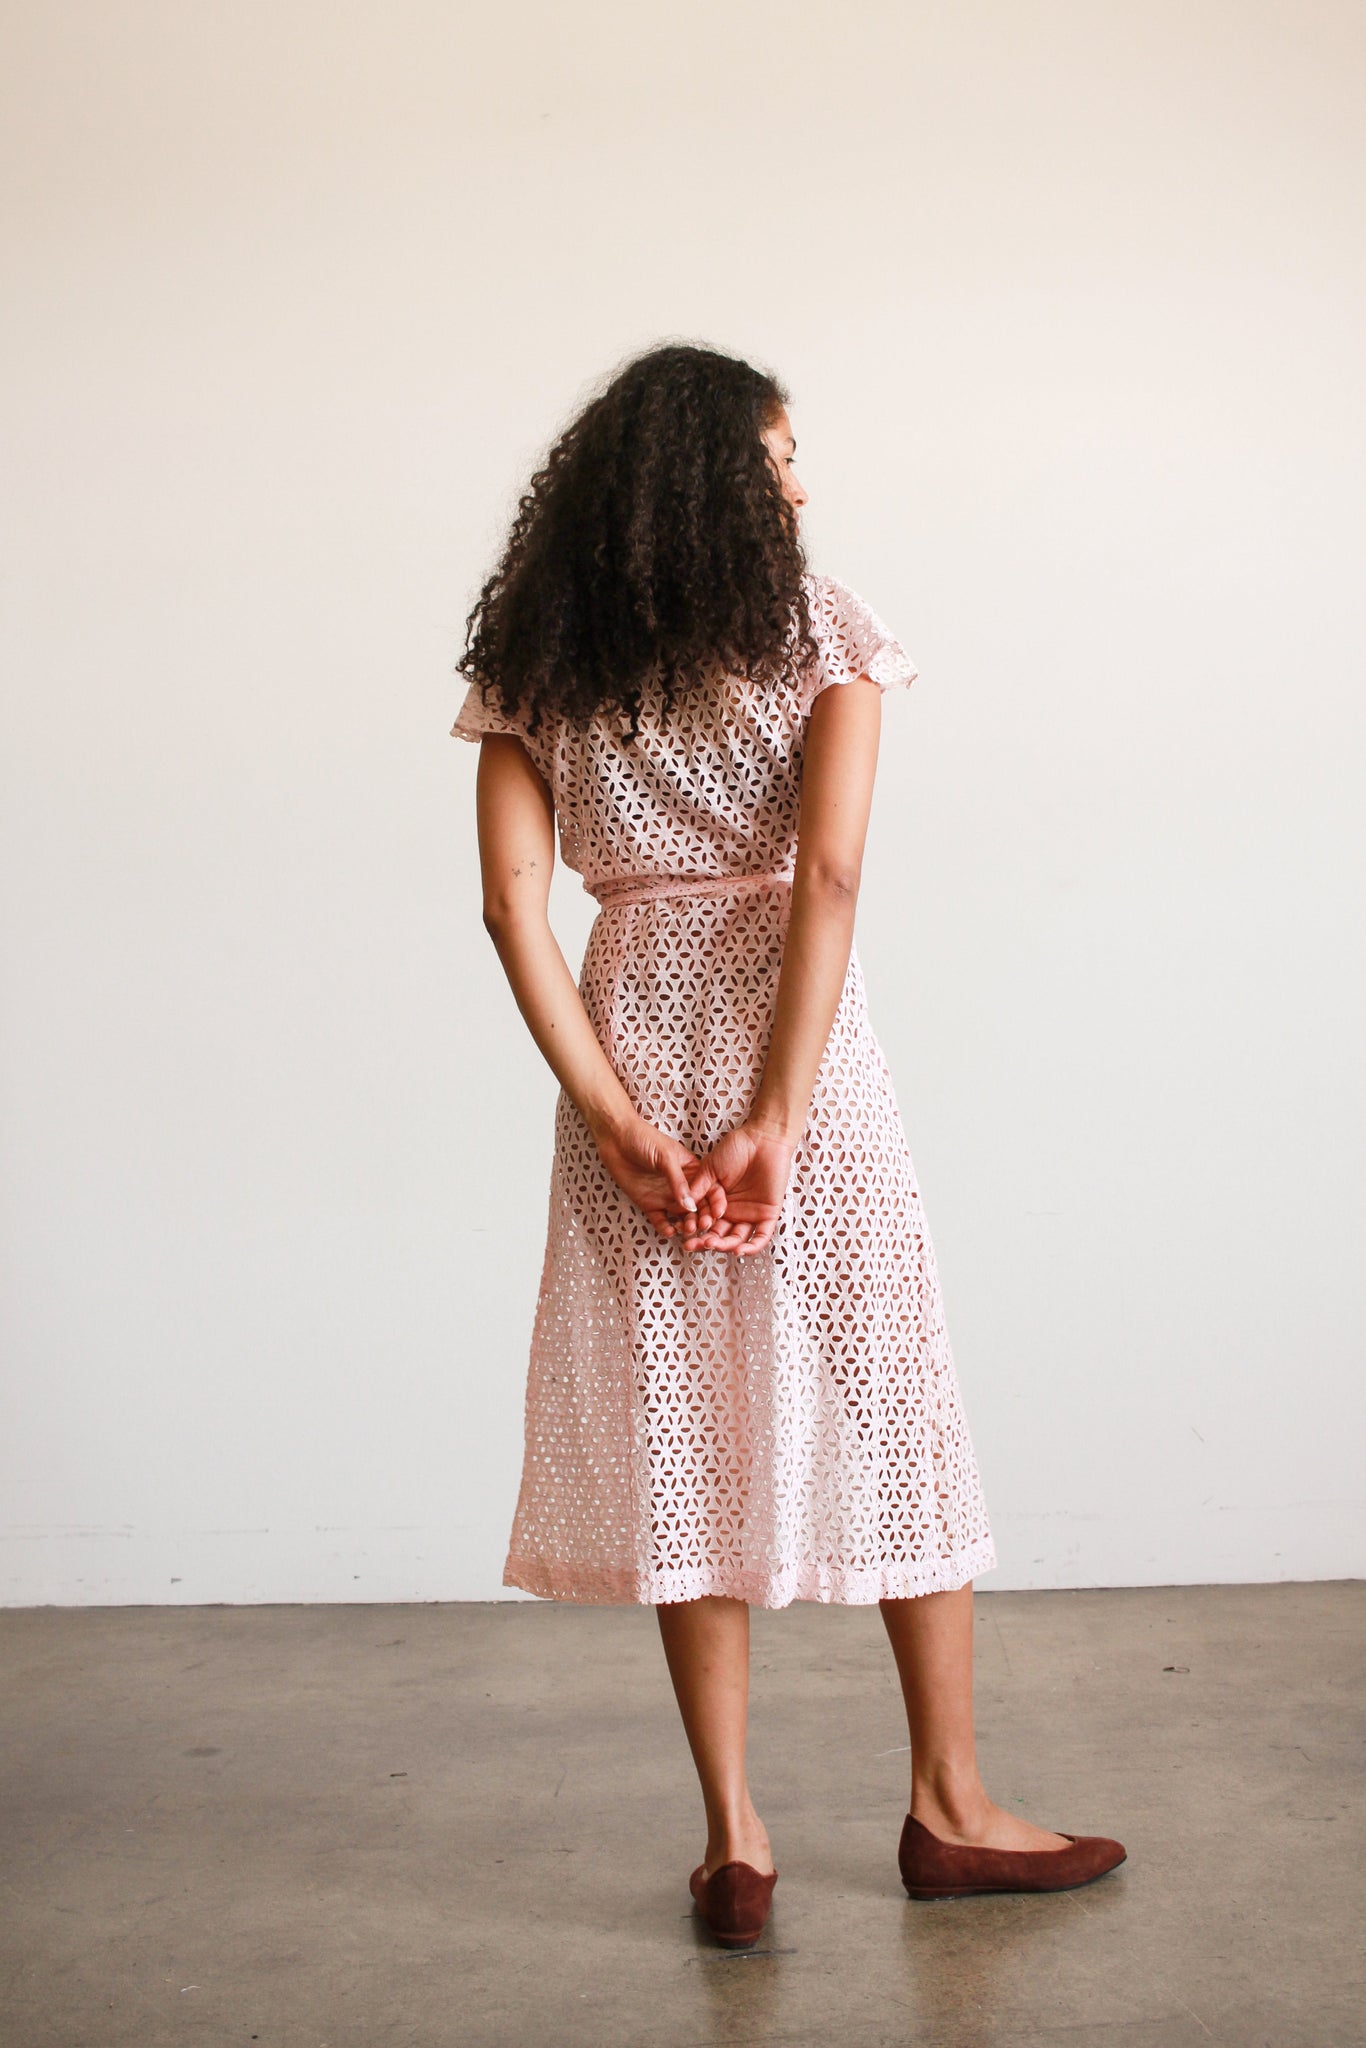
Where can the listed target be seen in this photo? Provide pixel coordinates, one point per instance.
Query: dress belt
(613, 889)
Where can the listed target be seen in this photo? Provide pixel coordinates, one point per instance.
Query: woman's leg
(706, 1645)
(931, 1640)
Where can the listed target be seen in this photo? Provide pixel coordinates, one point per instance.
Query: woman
(741, 1389)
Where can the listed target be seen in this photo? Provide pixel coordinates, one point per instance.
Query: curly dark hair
(654, 541)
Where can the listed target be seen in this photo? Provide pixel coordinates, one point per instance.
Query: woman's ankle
(950, 1803)
(738, 1838)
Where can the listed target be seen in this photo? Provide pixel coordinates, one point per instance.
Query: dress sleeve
(475, 718)
(853, 641)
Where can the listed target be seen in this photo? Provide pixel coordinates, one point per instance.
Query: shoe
(933, 1869)
(734, 1901)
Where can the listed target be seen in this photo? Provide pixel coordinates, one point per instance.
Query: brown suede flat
(934, 1869)
(734, 1901)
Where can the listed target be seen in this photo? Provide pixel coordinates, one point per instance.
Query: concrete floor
(344, 1827)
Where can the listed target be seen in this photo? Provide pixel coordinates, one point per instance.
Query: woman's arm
(840, 762)
(749, 1167)
(516, 820)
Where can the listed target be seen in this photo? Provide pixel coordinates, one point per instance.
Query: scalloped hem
(592, 1587)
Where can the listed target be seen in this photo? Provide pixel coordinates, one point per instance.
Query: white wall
(1070, 298)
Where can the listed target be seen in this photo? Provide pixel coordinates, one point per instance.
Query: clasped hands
(727, 1201)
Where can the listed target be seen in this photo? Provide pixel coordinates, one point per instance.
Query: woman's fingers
(713, 1227)
(684, 1199)
(689, 1200)
(735, 1237)
(688, 1226)
(680, 1195)
(708, 1193)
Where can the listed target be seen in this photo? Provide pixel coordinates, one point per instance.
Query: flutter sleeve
(852, 641)
(475, 718)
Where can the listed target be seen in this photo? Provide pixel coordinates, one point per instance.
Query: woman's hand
(748, 1169)
(652, 1169)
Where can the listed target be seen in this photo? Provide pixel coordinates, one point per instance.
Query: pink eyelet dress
(786, 1426)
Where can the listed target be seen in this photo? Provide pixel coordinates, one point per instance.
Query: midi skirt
(785, 1426)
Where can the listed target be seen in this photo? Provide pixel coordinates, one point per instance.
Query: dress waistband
(614, 889)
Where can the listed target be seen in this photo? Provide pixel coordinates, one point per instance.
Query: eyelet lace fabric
(787, 1426)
